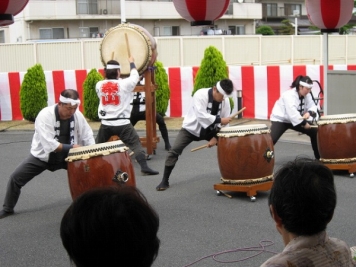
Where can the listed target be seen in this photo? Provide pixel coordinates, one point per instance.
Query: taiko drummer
(58, 128)
(115, 95)
(209, 111)
(293, 110)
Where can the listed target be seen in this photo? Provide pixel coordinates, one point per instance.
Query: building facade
(74, 19)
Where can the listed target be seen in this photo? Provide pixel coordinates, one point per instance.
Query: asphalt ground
(197, 226)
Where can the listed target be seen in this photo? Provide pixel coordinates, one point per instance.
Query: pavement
(198, 227)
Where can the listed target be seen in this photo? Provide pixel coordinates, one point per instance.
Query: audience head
(303, 196)
(111, 227)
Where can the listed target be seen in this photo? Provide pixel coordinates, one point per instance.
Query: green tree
(287, 28)
(163, 92)
(212, 69)
(33, 93)
(265, 30)
(91, 100)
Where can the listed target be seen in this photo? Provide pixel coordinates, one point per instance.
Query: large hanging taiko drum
(336, 138)
(245, 154)
(99, 165)
(127, 38)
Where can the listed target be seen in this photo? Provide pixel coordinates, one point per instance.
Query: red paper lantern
(329, 15)
(10, 8)
(201, 12)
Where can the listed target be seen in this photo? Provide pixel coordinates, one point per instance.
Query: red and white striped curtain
(261, 86)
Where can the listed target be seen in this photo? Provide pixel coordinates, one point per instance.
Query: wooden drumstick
(127, 44)
(237, 113)
(112, 55)
(198, 148)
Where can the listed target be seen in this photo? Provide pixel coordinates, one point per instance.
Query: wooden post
(151, 140)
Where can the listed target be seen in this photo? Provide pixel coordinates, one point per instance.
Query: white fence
(239, 50)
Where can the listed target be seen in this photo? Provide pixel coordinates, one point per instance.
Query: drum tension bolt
(269, 154)
(120, 177)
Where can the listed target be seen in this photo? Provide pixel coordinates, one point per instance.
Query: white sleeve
(83, 130)
(291, 106)
(200, 102)
(44, 127)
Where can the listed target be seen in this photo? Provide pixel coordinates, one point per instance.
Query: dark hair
(300, 78)
(303, 195)
(70, 93)
(111, 227)
(111, 73)
(227, 86)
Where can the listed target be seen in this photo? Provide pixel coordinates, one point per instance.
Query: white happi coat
(115, 97)
(198, 116)
(287, 107)
(43, 142)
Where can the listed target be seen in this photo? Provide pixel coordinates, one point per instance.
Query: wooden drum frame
(246, 159)
(99, 165)
(336, 141)
(125, 39)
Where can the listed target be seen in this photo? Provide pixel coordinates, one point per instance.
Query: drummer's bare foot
(162, 186)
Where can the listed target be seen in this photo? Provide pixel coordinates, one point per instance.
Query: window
(270, 10)
(230, 10)
(240, 30)
(171, 31)
(2, 36)
(237, 30)
(291, 9)
(89, 32)
(87, 7)
(52, 33)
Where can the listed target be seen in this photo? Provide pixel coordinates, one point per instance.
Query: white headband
(112, 67)
(66, 100)
(221, 91)
(307, 85)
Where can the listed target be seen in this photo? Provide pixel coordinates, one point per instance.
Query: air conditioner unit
(105, 11)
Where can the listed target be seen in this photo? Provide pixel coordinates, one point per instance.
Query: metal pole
(239, 103)
(296, 25)
(123, 14)
(325, 71)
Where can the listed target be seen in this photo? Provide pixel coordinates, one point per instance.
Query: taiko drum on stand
(246, 159)
(337, 142)
(99, 165)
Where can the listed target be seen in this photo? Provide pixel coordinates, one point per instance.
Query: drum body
(336, 138)
(142, 47)
(100, 165)
(245, 154)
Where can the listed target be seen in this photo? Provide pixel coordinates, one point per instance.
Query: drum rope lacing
(92, 152)
(336, 120)
(249, 181)
(263, 244)
(338, 161)
(243, 132)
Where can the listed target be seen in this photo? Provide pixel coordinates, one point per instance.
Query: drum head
(338, 118)
(243, 130)
(247, 127)
(142, 47)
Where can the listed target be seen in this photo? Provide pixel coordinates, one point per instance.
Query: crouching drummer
(58, 128)
(209, 111)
